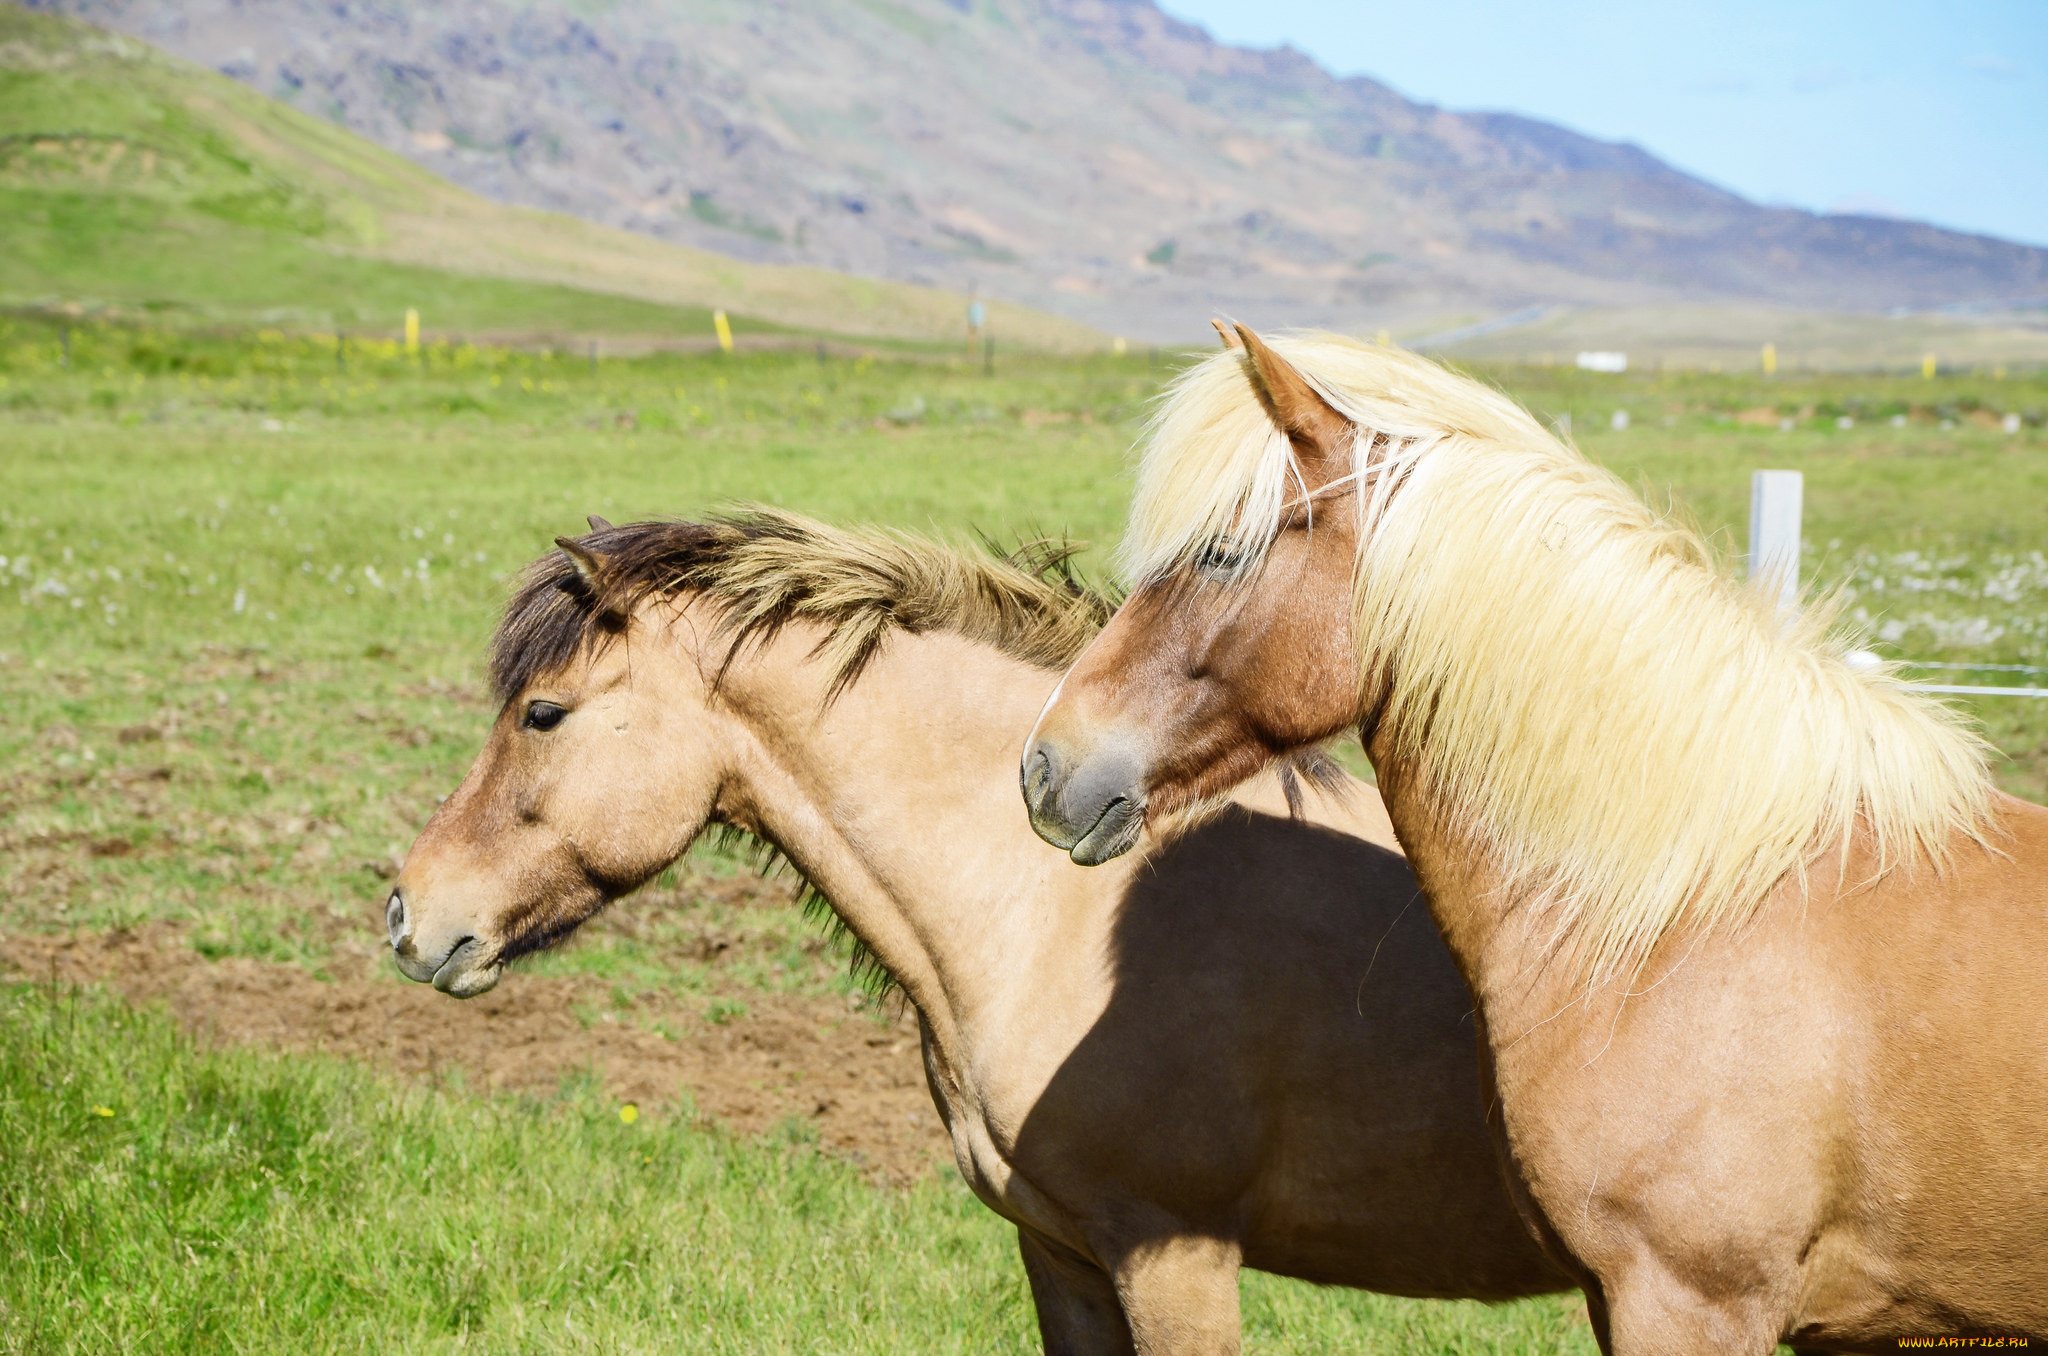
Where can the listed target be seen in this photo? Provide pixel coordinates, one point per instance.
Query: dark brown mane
(772, 568)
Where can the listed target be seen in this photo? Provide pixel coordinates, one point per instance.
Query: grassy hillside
(133, 178)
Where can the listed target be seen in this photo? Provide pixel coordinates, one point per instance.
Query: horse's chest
(984, 1126)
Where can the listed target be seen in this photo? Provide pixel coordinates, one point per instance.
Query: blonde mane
(1640, 741)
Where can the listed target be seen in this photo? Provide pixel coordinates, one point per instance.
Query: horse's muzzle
(461, 966)
(1093, 807)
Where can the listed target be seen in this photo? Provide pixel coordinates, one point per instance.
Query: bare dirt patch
(769, 1060)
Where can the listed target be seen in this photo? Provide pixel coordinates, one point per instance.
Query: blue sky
(1937, 112)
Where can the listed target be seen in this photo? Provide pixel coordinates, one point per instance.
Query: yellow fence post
(724, 328)
(412, 332)
(1928, 366)
(1770, 360)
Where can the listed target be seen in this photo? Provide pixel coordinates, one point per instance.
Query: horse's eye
(544, 715)
(1220, 561)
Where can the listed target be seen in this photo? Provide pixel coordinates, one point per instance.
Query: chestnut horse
(1761, 957)
(1248, 1049)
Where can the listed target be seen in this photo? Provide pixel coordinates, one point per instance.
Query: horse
(1760, 954)
(1245, 1049)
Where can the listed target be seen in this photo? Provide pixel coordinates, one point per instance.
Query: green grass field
(161, 1197)
(247, 593)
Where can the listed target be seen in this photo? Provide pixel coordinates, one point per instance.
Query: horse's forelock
(543, 626)
(554, 614)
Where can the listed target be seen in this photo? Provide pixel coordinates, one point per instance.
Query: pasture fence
(1776, 504)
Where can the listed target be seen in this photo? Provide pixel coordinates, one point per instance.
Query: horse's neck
(898, 800)
(1500, 945)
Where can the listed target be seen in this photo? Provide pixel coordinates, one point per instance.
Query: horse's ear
(588, 564)
(1319, 433)
(598, 524)
(1227, 335)
(588, 583)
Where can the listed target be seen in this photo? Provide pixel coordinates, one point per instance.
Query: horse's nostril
(396, 923)
(1037, 778)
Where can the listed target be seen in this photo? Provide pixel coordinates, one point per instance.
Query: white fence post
(1774, 507)
(1775, 501)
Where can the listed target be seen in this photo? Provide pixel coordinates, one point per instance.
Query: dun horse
(1247, 1050)
(1761, 956)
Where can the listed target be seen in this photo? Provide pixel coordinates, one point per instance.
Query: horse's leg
(1079, 1313)
(1180, 1294)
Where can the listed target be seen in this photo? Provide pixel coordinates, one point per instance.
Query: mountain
(1093, 157)
(131, 177)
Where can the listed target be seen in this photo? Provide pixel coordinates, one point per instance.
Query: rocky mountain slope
(132, 178)
(1094, 157)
